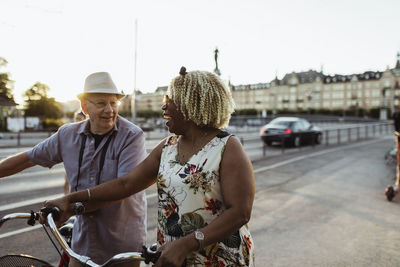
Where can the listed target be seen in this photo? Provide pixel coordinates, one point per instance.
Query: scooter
(392, 190)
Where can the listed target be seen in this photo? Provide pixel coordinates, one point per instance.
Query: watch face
(79, 208)
(199, 235)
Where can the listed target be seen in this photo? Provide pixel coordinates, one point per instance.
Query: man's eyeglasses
(103, 104)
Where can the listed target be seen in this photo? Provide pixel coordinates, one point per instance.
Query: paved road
(321, 206)
(327, 208)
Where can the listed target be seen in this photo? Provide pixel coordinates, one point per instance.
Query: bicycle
(21, 260)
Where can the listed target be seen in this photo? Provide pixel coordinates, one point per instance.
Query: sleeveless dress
(189, 197)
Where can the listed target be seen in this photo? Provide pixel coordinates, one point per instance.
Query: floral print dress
(189, 198)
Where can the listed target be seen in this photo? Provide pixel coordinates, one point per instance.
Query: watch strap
(199, 236)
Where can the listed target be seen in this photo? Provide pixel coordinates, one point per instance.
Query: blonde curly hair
(202, 97)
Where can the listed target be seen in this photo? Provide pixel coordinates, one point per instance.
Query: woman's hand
(65, 207)
(173, 253)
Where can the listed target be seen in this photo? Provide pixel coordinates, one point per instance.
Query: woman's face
(176, 122)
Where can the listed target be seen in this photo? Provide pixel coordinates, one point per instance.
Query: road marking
(20, 231)
(37, 173)
(317, 154)
(28, 202)
(43, 199)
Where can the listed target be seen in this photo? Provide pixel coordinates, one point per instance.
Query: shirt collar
(84, 127)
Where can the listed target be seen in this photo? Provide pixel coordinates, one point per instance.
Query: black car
(290, 130)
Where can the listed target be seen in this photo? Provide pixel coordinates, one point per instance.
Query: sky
(59, 42)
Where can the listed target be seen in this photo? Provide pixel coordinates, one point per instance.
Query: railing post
(327, 137)
(19, 138)
(366, 131)
(348, 135)
(338, 136)
(358, 133)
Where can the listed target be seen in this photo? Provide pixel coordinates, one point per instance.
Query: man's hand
(66, 210)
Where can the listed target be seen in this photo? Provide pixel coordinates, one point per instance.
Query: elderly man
(94, 151)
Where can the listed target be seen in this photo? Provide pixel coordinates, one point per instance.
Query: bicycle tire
(22, 260)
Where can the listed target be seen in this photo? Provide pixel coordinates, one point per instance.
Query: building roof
(162, 89)
(302, 77)
(6, 102)
(368, 75)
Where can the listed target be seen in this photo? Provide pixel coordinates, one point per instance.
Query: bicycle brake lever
(34, 217)
(150, 254)
(53, 210)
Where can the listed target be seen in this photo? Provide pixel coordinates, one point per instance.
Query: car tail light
(263, 130)
(288, 131)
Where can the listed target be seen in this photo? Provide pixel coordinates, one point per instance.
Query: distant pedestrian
(396, 119)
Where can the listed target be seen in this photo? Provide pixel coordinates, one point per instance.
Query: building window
(376, 93)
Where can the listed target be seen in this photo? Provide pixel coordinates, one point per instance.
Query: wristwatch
(200, 238)
(79, 208)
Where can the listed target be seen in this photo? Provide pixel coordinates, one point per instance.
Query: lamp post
(133, 99)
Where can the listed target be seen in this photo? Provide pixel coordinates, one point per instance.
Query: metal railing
(342, 134)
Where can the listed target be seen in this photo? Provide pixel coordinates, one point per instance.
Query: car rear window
(280, 123)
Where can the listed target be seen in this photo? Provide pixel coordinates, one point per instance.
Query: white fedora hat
(101, 83)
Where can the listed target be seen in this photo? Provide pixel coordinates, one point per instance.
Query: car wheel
(296, 141)
(318, 139)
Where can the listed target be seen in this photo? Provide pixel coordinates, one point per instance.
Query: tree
(39, 104)
(6, 84)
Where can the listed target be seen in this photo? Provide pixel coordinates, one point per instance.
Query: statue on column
(216, 70)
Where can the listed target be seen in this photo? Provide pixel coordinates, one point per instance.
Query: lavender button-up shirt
(114, 229)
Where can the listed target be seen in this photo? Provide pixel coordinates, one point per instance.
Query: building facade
(310, 90)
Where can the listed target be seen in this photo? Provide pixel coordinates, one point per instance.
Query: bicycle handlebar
(147, 255)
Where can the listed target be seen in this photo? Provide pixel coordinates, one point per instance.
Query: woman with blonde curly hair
(204, 178)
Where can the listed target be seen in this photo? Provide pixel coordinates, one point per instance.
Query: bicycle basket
(22, 261)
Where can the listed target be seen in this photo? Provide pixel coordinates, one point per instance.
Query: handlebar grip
(150, 254)
(55, 211)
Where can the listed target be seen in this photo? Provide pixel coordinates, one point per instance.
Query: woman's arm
(237, 186)
(141, 177)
